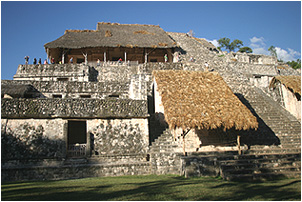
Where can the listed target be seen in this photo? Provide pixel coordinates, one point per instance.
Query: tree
(245, 50)
(295, 64)
(272, 50)
(225, 43)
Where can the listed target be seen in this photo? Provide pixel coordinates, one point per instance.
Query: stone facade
(125, 133)
(118, 136)
(32, 138)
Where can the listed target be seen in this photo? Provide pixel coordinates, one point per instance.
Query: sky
(27, 25)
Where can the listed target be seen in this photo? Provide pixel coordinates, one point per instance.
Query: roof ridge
(115, 23)
(79, 30)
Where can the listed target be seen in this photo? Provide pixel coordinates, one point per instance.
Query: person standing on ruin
(71, 60)
(166, 58)
(52, 61)
(40, 61)
(26, 59)
(206, 66)
(35, 61)
(120, 61)
(98, 62)
(45, 62)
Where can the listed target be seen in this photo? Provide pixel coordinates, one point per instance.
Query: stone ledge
(73, 108)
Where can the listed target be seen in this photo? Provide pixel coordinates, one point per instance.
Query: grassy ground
(151, 187)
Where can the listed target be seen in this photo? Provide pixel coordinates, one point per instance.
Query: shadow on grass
(151, 188)
(270, 190)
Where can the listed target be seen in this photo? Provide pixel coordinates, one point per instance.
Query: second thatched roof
(201, 100)
(292, 82)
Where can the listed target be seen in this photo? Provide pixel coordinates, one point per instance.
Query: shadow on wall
(263, 135)
(157, 126)
(217, 137)
(93, 74)
(29, 143)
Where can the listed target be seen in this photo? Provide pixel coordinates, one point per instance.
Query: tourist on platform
(35, 61)
(120, 61)
(52, 61)
(26, 59)
(98, 62)
(71, 60)
(45, 62)
(206, 66)
(166, 58)
(40, 61)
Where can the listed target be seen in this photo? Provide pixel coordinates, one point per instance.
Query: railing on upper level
(76, 150)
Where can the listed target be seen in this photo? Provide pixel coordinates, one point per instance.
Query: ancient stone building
(87, 119)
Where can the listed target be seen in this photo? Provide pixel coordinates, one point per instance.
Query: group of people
(39, 62)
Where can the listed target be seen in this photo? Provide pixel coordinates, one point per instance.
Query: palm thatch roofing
(19, 90)
(292, 82)
(114, 35)
(201, 100)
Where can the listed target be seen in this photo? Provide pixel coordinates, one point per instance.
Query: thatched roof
(201, 100)
(19, 91)
(114, 35)
(291, 82)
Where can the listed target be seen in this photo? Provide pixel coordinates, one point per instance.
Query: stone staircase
(190, 47)
(164, 155)
(274, 150)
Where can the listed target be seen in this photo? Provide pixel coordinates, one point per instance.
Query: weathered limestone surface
(32, 138)
(73, 108)
(118, 136)
(51, 72)
(75, 89)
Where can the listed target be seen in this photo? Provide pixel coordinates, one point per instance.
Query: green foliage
(272, 50)
(228, 45)
(152, 188)
(295, 64)
(245, 50)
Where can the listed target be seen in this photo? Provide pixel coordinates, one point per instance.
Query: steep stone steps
(263, 176)
(190, 47)
(243, 167)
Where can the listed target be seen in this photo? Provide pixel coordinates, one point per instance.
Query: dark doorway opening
(77, 138)
(80, 60)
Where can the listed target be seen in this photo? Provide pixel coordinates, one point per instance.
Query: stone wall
(118, 136)
(32, 138)
(73, 108)
(75, 89)
(47, 138)
(139, 87)
(36, 149)
(291, 103)
(163, 163)
(251, 58)
(53, 72)
(58, 172)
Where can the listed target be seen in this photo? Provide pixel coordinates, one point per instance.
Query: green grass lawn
(152, 187)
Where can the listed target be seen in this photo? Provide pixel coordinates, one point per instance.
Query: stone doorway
(77, 138)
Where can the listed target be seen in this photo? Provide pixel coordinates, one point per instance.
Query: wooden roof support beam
(184, 133)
